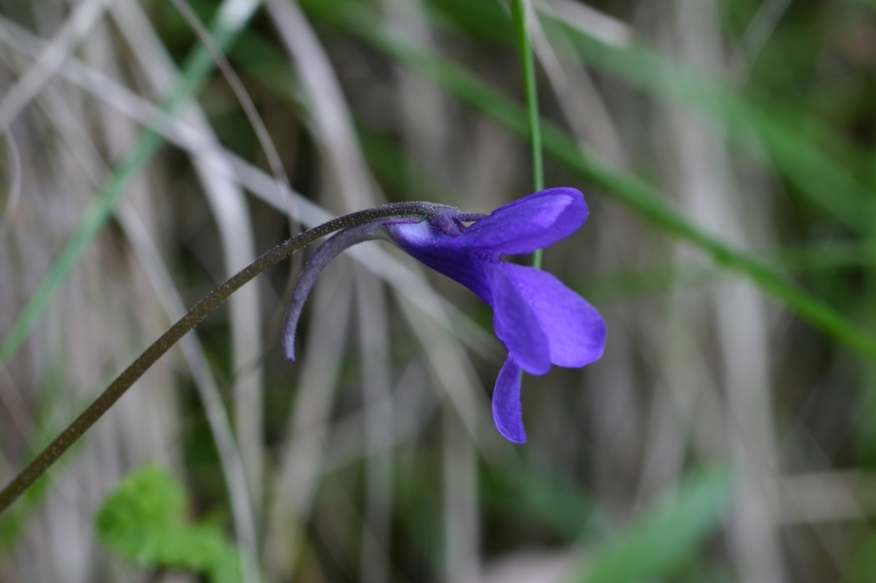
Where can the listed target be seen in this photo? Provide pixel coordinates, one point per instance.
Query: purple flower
(540, 320)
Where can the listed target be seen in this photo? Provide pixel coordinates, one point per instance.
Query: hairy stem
(201, 310)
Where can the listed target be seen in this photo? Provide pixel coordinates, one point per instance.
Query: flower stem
(520, 14)
(201, 310)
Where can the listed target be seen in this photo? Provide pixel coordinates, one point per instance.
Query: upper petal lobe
(527, 224)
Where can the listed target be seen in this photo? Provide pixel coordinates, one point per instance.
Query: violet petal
(574, 330)
(507, 412)
(516, 322)
(438, 251)
(527, 224)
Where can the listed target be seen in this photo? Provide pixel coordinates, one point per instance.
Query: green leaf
(144, 521)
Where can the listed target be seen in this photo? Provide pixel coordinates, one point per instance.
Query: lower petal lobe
(574, 330)
(516, 322)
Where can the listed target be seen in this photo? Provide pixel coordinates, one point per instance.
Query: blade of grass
(635, 193)
(231, 16)
(521, 11)
(666, 537)
(629, 285)
(751, 121)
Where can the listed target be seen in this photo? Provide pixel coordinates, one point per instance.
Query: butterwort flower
(539, 320)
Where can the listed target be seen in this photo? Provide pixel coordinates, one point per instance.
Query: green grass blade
(627, 285)
(667, 537)
(519, 12)
(824, 181)
(225, 29)
(520, 15)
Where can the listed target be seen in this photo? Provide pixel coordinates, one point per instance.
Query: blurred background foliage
(726, 149)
